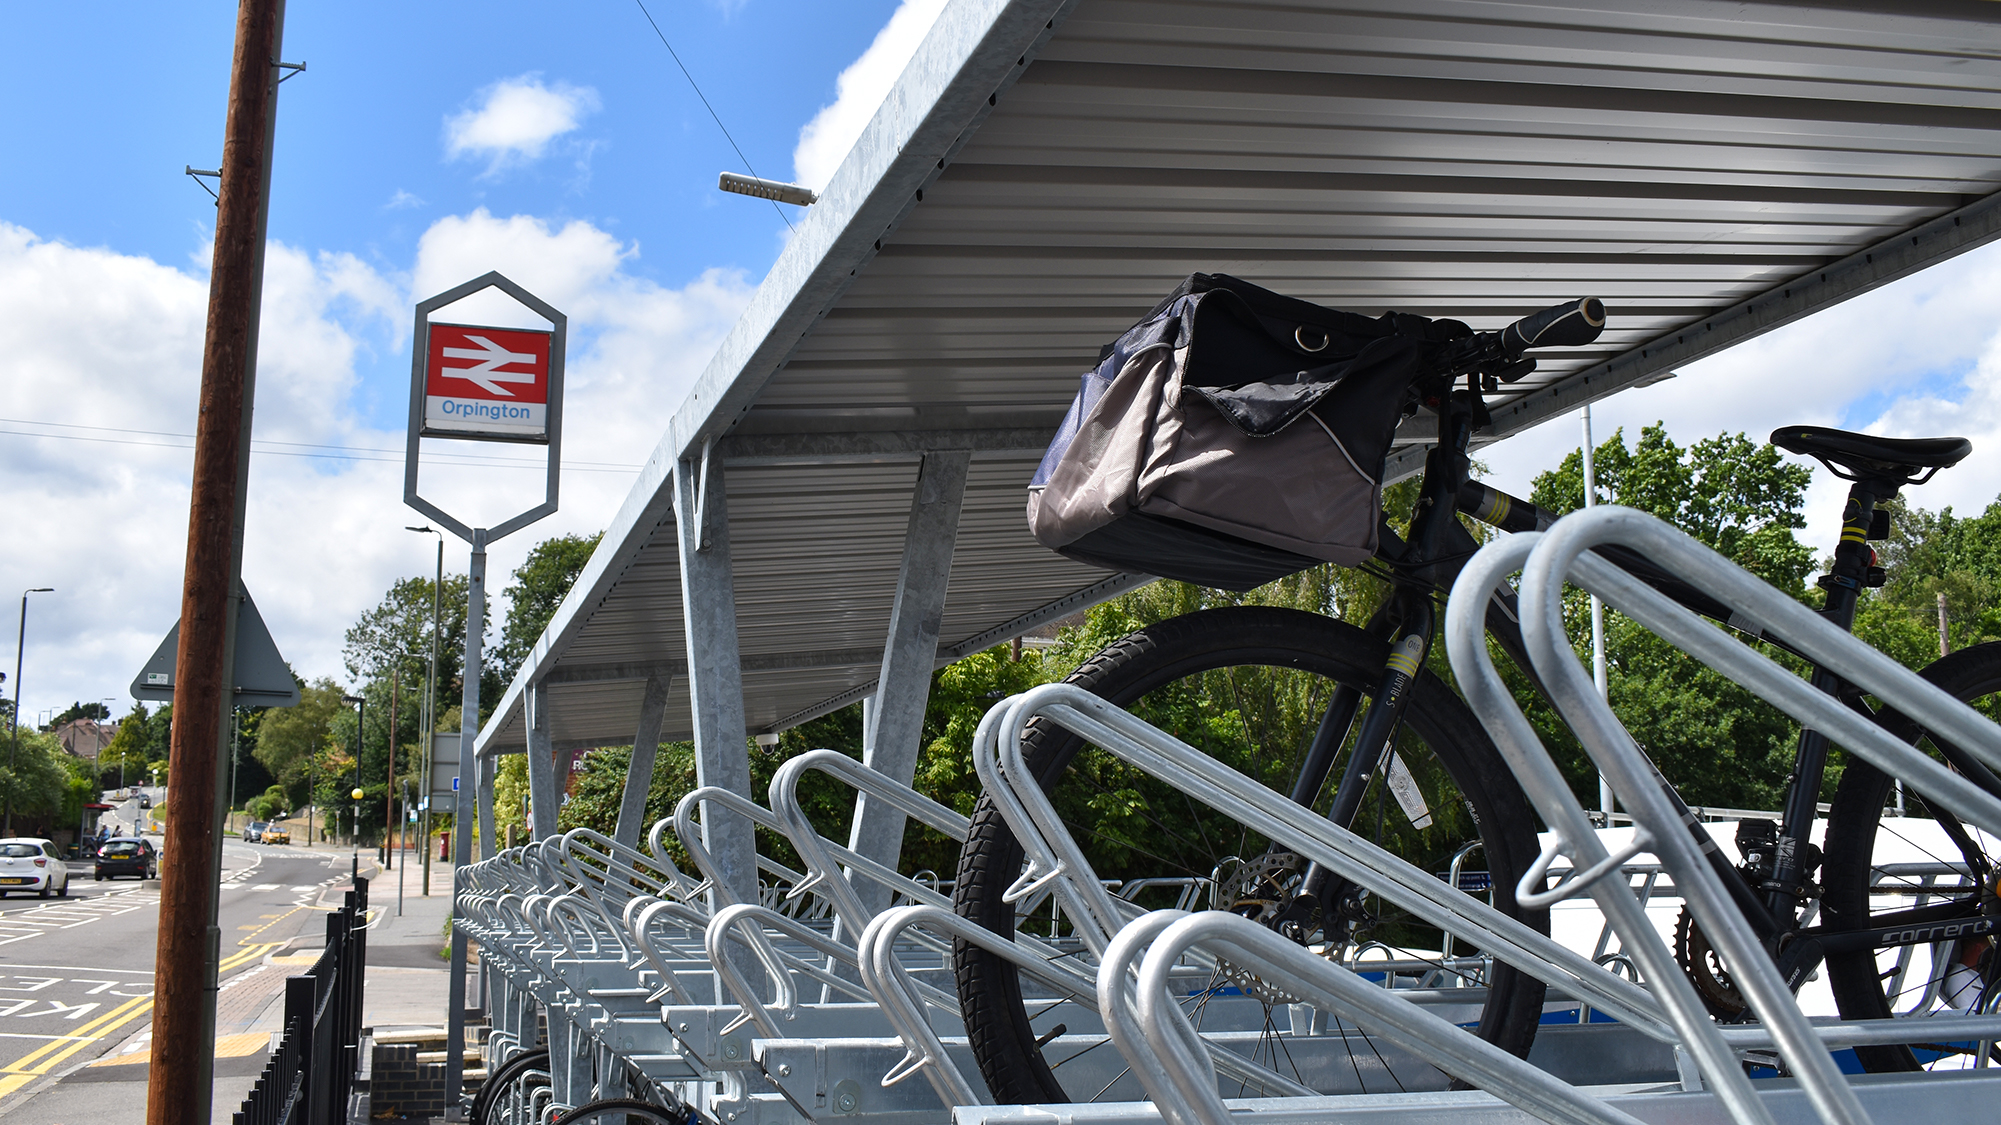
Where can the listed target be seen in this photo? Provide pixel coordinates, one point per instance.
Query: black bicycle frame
(1430, 561)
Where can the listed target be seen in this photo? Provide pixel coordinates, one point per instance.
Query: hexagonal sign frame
(498, 408)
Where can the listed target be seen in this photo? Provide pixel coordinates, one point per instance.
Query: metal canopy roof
(1045, 170)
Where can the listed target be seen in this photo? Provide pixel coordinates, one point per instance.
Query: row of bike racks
(823, 999)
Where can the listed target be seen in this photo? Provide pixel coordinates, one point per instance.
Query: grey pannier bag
(1232, 437)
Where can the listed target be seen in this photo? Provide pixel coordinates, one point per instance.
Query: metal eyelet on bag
(1299, 337)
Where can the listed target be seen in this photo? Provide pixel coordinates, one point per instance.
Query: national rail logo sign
(490, 383)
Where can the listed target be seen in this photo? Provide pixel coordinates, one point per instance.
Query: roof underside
(1473, 160)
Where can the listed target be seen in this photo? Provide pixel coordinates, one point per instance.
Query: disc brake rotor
(1258, 888)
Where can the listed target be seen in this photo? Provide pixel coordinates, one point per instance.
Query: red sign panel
(487, 382)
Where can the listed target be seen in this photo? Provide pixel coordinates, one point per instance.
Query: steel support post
(485, 771)
(544, 788)
(895, 720)
(455, 1010)
(715, 670)
(645, 747)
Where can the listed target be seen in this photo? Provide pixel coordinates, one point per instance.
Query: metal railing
(312, 1069)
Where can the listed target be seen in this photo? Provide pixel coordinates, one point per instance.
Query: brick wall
(401, 1084)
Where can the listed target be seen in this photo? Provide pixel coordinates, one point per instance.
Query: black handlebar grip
(1566, 325)
(1509, 513)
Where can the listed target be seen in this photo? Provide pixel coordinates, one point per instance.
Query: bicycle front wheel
(1884, 867)
(1248, 686)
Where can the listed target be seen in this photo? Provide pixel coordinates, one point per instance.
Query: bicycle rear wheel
(1247, 685)
(1878, 864)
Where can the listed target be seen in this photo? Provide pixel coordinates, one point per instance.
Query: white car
(30, 864)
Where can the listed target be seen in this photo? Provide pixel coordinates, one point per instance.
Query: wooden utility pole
(179, 1087)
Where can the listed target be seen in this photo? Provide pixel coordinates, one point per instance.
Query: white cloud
(1915, 358)
(101, 339)
(402, 199)
(824, 141)
(635, 346)
(515, 119)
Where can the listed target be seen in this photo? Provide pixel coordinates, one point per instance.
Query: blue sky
(561, 144)
(423, 145)
(136, 92)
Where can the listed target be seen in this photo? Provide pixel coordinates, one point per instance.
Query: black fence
(311, 1073)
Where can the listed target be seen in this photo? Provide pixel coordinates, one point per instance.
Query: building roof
(1044, 170)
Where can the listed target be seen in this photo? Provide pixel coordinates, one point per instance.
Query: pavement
(405, 986)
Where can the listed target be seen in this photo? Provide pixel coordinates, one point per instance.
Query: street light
(430, 700)
(14, 733)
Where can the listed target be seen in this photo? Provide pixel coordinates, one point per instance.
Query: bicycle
(1300, 691)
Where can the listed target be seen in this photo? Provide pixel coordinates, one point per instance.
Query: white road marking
(68, 914)
(265, 887)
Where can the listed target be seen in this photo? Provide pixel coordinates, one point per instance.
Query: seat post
(1854, 562)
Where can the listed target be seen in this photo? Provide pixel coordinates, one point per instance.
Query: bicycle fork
(1374, 753)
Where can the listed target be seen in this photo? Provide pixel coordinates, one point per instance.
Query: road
(76, 974)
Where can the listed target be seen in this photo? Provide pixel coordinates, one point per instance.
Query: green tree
(540, 585)
(127, 748)
(1719, 743)
(1929, 556)
(92, 710)
(271, 804)
(294, 742)
(38, 781)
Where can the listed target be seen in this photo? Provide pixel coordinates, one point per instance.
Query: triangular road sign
(261, 679)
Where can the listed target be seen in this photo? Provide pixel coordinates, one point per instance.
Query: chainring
(1698, 959)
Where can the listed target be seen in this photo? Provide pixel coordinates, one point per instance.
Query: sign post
(480, 383)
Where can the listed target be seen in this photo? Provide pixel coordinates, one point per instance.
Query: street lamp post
(430, 701)
(354, 836)
(14, 733)
(404, 868)
(360, 731)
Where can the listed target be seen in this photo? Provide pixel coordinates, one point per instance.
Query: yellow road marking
(226, 1047)
(255, 952)
(275, 919)
(43, 1059)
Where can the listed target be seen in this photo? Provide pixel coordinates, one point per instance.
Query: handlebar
(1498, 355)
(1567, 325)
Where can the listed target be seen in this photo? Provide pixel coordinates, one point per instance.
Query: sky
(564, 146)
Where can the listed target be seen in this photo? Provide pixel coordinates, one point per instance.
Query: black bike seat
(1865, 455)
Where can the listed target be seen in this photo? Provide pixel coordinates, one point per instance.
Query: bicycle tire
(1854, 823)
(623, 1110)
(482, 1102)
(1221, 642)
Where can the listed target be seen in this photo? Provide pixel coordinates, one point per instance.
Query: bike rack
(815, 1001)
(1546, 561)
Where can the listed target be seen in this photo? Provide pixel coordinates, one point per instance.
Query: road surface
(76, 974)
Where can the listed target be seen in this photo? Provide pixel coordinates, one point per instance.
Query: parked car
(253, 833)
(127, 856)
(31, 864)
(274, 833)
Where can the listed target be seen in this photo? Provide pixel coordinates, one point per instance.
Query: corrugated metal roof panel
(1694, 164)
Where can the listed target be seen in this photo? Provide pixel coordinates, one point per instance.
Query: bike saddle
(1864, 456)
